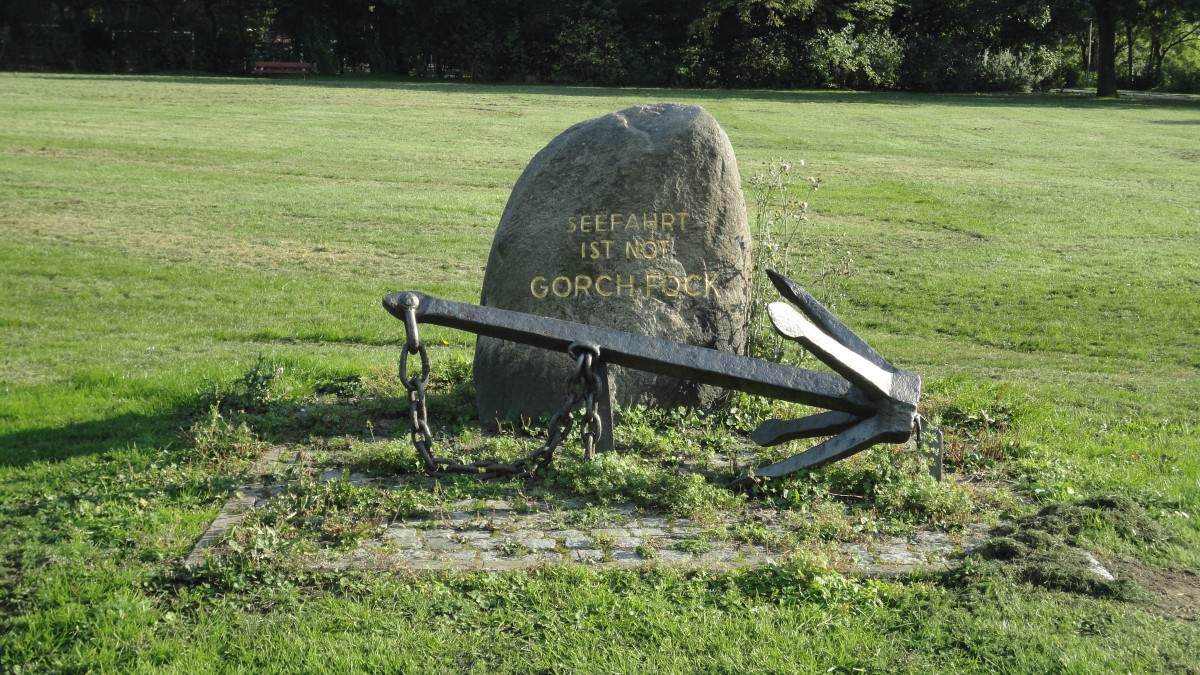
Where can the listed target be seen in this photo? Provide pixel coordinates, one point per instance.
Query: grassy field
(1035, 258)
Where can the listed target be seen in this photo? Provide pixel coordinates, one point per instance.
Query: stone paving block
(857, 554)
(627, 542)
(670, 556)
(755, 559)
(755, 549)
(686, 530)
(934, 542)
(578, 542)
(442, 544)
(535, 559)
(887, 571)
(533, 521)
(503, 565)
(653, 522)
(720, 555)
(538, 544)
(472, 535)
(464, 555)
(609, 532)
(232, 513)
(586, 555)
(564, 534)
(415, 554)
(896, 555)
(647, 532)
(489, 544)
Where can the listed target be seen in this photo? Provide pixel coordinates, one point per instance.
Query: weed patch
(220, 441)
(890, 484)
(337, 511)
(613, 478)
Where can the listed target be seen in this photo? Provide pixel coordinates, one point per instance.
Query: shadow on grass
(282, 421)
(56, 444)
(1060, 99)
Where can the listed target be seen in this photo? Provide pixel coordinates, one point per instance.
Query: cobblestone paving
(492, 536)
(498, 535)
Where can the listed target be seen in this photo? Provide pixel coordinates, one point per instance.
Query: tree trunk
(1129, 50)
(1106, 66)
(1154, 61)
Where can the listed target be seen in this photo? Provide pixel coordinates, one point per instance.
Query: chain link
(582, 387)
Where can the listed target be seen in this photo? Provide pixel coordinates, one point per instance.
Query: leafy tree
(1163, 18)
(1168, 26)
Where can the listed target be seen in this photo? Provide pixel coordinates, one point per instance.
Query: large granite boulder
(633, 221)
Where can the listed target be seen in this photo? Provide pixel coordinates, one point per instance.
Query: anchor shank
(652, 355)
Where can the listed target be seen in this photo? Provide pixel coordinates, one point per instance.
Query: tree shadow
(1061, 99)
(94, 437)
(279, 421)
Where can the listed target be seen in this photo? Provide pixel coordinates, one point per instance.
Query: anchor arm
(894, 391)
(775, 432)
(653, 355)
(875, 381)
(825, 320)
(858, 437)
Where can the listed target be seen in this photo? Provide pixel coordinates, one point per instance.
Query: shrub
(763, 62)
(589, 50)
(932, 63)
(1023, 70)
(863, 61)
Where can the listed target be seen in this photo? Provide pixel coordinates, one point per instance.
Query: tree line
(925, 45)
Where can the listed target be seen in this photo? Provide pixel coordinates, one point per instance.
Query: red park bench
(282, 68)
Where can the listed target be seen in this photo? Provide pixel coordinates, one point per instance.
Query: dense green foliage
(172, 245)
(964, 45)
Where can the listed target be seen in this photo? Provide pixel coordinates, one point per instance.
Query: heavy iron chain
(582, 387)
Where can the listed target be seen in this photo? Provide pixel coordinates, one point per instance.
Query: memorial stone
(633, 221)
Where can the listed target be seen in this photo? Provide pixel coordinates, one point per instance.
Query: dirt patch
(1175, 593)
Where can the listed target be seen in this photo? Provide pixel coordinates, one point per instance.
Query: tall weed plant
(777, 199)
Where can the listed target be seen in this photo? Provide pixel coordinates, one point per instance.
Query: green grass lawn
(1038, 253)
